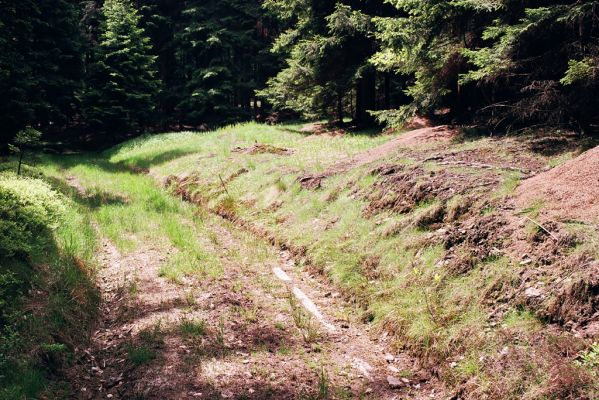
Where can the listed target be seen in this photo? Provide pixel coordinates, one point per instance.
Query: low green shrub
(140, 355)
(29, 211)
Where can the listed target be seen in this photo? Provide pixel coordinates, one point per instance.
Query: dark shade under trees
(222, 58)
(41, 67)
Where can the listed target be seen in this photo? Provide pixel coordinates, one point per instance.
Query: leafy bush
(29, 210)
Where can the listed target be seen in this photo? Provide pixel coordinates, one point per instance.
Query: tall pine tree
(161, 19)
(122, 82)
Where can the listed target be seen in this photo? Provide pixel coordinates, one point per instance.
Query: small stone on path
(394, 383)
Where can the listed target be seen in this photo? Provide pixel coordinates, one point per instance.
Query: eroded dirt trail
(245, 334)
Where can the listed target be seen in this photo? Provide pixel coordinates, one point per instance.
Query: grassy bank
(133, 212)
(47, 296)
(219, 286)
(53, 219)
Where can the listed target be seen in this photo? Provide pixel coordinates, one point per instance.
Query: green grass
(192, 328)
(48, 248)
(285, 350)
(280, 326)
(134, 212)
(23, 382)
(430, 311)
(587, 239)
(140, 355)
(561, 159)
(172, 153)
(590, 359)
(522, 321)
(510, 182)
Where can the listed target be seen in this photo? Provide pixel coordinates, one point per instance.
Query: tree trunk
(387, 88)
(359, 107)
(20, 162)
(366, 98)
(256, 109)
(340, 108)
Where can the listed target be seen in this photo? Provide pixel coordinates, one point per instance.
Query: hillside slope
(433, 240)
(569, 191)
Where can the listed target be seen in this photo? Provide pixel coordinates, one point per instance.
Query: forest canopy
(109, 69)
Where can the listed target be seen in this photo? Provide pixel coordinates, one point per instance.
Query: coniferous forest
(116, 68)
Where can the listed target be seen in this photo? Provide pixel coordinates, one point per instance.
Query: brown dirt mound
(417, 122)
(322, 129)
(425, 135)
(400, 188)
(415, 137)
(570, 191)
(260, 148)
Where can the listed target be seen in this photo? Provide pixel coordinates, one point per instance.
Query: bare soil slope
(415, 137)
(433, 238)
(569, 191)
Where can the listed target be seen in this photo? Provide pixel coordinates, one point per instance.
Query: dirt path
(264, 329)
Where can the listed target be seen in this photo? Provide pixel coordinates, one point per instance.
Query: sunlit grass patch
(249, 313)
(589, 359)
(192, 327)
(190, 263)
(469, 367)
(209, 152)
(587, 239)
(508, 185)
(522, 321)
(149, 216)
(395, 265)
(303, 321)
(561, 159)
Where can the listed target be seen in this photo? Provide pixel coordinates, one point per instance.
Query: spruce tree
(121, 84)
(59, 49)
(222, 54)
(161, 19)
(327, 47)
(506, 65)
(539, 64)
(15, 72)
